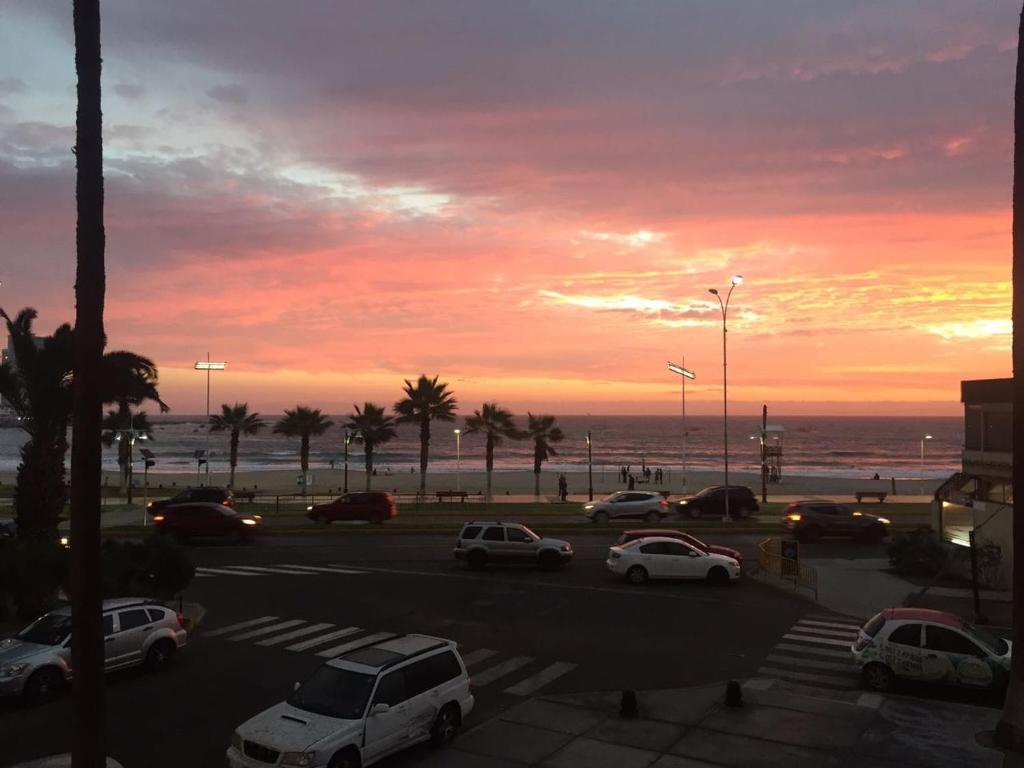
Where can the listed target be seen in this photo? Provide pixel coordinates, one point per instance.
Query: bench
(879, 495)
(452, 495)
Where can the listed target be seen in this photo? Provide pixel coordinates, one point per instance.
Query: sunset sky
(530, 199)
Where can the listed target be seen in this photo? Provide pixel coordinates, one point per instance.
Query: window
(948, 641)
(108, 624)
(136, 617)
(872, 627)
(470, 532)
(494, 533)
(654, 548)
(426, 674)
(908, 634)
(155, 614)
(518, 536)
(676, 549)
(391, 689)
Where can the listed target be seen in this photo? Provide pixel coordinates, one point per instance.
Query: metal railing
(770, 560)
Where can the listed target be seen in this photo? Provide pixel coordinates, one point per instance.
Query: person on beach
(632, 483)
(563, 488)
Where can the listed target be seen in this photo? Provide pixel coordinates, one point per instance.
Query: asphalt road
(595, 632)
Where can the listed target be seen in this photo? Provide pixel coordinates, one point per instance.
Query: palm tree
(371, 428)
(121, 426)
(1010, 730)
(303, 422)
(238, 421)
(544, 432)
(496, 424)
(423, 403)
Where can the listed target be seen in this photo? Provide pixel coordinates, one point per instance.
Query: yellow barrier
(771, 561)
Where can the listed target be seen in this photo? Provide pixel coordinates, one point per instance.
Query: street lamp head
(205, 365)
(927, 437)
(457, 431)
(681, 371)
(737, 279)
(588, 440)
(713, 291)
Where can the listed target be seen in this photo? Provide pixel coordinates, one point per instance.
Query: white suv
(482, 543)
(361, 707)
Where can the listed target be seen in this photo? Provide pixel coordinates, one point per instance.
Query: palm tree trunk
(304, 460)
(1010, 731)
(536, 476)
(490, 464)
(424, 448)
(369, 464)
(234, 458)
(88, 748)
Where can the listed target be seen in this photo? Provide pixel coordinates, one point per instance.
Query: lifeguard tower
(771, 457)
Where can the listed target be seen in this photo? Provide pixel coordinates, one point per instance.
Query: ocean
(837, 446)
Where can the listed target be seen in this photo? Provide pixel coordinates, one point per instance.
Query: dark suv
(192, 495)
(374, 506)
(711, 501)
(810, 520)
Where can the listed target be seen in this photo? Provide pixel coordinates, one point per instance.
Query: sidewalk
(692, 728)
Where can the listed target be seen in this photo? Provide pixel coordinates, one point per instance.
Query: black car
(812, 519)
(193, 495)
(711, 501)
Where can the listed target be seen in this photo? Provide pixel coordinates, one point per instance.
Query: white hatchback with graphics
(361, 707)
(929, 646)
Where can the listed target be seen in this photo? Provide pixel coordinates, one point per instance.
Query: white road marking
(240, 625)
(827, 652)
(204, 571)
(819, 640)
(491, 674)
(822, 632)
(320, 568)
(831, 680)
(536, 682)
(338, 650)
(812, 663)
(307, 644)
(833, 624)
(262, 569)
(870, 700)
(268, 630)
(297, 633)
(477, 656)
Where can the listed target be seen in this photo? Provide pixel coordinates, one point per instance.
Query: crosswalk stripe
(830, 680)
(491, 674)
(302, 632)
(477, 656)
(204, 571)
(536, 682)
(821, 631)
(807, 649)
(261, 569)
(833, 624)
(338, 650)
(321, 568)
(820, 640)
(307, 644)
(793, 661)
(240, 625)
(268, 630)
(204, 575)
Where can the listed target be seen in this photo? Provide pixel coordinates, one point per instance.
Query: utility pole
(764, 453)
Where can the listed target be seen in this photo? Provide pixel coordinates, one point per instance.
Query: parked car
(711, 501)
(359, 708)
(374, 506)
(482, 543)
(36, 663)
(661, 557)
(205, 520)
(8, 530)
(190, 495)
(812, 519)
(642, 505)
(929, 646)
(693, 541)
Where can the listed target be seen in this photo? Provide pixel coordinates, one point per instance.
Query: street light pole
(348, 439)
(736, 280)
(926, 437)
(458, 459)
(590, 466)
(684, 374)
(206, 365)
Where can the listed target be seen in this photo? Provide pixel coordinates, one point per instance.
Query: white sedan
(658, 557)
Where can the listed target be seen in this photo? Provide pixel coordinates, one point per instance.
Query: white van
(361, 707)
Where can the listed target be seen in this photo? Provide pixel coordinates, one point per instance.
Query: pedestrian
(632, 482)
(563, 488)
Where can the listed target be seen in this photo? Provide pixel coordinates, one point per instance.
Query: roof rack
(420, 652)
(371, 643)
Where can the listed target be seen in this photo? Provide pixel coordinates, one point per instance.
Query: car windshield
(534, 536)
(335, 693)
(995, 644)
(694, 541)
(706, 491)
(51, 629)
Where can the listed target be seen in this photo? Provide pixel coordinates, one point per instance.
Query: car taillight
(664, 502)
(158, 518)
(181, 619)
(793, 518)
(227, 502)
(863, 641)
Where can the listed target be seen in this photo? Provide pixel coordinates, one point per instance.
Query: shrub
(918, 553)
(31, 573)
(156, 567)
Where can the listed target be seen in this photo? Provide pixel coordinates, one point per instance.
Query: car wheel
(447, 724)
(323, 519)
(347, 758)
(692, 511)
(743, 511)
(637, 574)
(718, 575)
(549, 560)
(44, 685)
(878, 677)
(159, 655)
(601, 518)
(652, 517)
(477, 559)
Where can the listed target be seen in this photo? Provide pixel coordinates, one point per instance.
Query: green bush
(156, 567)
(918, 553)
(31, 573)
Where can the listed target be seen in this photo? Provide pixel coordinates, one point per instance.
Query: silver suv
(37, 661)
(643, 505)
(482, 543)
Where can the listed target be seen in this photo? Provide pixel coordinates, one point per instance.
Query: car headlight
(65, 541)
(309, 508)
(567, 547)
(236, 741)
(15, 669)
(248, 521)
(885, 521)
(298, 759)
(683, 502)
(588, 506)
